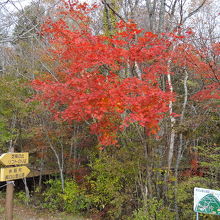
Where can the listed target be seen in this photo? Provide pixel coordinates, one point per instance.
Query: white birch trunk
(172, 123)
(139, 73)
(60, 162)
(181, 146)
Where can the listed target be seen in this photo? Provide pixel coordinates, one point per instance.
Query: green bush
(184, 197)
(21, 196)
(153, 209)
(71, 200)
(111, 185)
(105, 186)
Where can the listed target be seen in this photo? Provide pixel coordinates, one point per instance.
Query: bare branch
(194, 12)
(112, 9)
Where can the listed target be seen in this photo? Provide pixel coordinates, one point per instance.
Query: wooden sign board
(13, 173)
(8, 159)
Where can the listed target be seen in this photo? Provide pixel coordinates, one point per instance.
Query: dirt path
(22, 212)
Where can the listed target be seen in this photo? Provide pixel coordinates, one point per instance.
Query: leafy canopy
(107, 81)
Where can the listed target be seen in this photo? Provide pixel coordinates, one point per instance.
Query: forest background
(119, 100)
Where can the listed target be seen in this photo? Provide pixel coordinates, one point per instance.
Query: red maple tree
(110, 82)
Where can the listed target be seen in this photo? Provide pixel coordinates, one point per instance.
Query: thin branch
(4, 2)
(112, 9)
(194, 12)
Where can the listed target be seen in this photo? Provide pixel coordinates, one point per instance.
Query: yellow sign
(14, 158)
(13, 173)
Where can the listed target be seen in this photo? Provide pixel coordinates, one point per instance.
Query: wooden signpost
(12, 173)
(14, 159)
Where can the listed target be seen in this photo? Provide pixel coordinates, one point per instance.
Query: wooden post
(9, 194)
(9, 200)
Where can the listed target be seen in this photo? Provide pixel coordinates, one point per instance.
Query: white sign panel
(207, 201)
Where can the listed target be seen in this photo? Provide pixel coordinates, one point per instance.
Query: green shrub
(105, 186)
(184, 197)
(153, 210)
(111, 186)
(71, 200)
(21, 196)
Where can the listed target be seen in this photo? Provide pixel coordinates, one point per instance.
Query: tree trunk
(41, 170)
(172, 123)
(161, 17)
(181, 145)
(27, 191)
(151, 8)
(60, 162)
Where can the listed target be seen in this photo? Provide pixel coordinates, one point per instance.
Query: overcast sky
(15, 5)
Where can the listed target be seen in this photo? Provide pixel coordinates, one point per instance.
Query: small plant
(72, 199)
(21, 196)
(153, 209)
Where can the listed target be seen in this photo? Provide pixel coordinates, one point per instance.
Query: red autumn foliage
(209, 71)
(110, 82)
